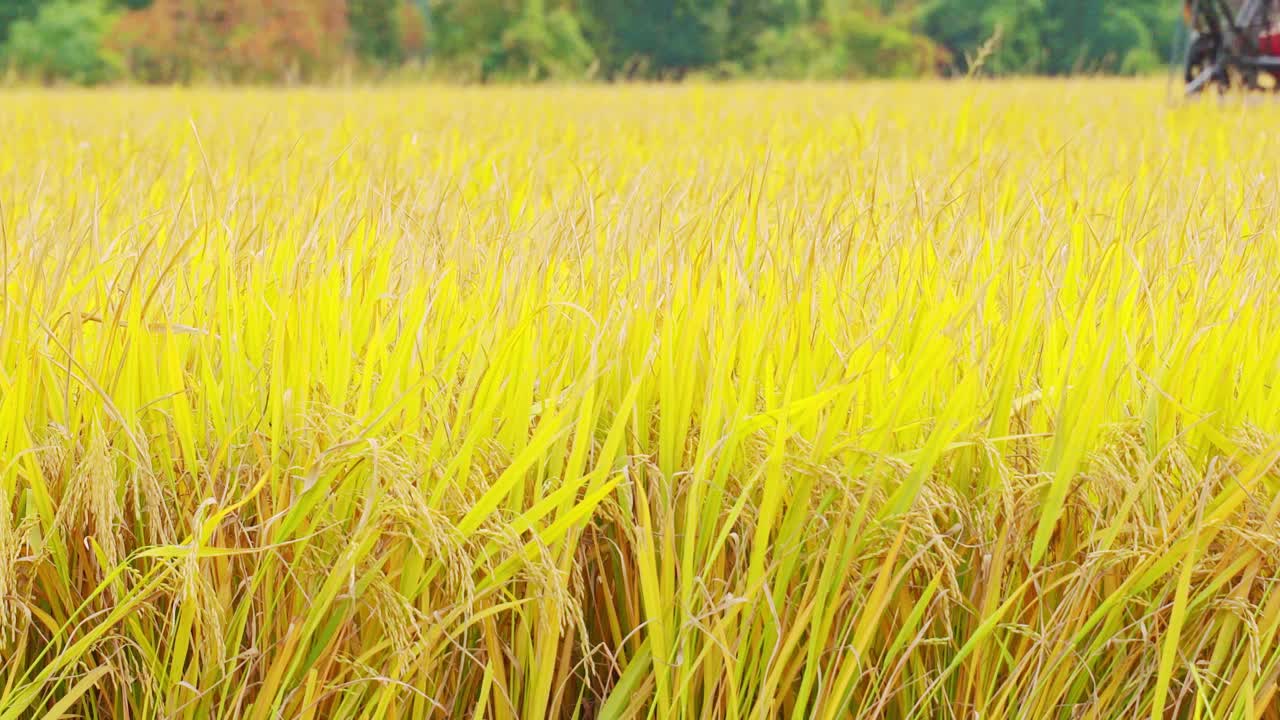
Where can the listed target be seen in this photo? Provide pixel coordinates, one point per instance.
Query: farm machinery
(1233, 43)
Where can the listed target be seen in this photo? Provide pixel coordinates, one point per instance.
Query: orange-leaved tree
(233, 40)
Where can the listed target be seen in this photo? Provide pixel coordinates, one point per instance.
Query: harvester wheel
(1202, 68)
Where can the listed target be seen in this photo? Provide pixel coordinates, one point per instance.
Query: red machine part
(1269, 42)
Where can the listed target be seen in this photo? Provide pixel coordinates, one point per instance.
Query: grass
(891, 400)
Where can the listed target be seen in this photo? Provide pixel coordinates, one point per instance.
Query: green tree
(65, 41)
(755, 24)
(664, 37)
(11, 11)
(845, 39)
(963, 26)
(375, 30)
(509, 38)
(1056, 36)
(546, 43)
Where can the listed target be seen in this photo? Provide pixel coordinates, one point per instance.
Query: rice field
(774, 401)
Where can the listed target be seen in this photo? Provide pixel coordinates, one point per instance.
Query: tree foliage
(375, 29)
(234, 40)
(238, 40)
(1057, 36)
(12, 11)
(64, 41)
(663, 36)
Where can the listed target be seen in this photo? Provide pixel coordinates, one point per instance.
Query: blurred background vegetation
(269, 41)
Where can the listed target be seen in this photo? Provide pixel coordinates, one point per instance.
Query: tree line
(92, 41)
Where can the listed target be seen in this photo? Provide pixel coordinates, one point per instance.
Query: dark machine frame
(1225, 48)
